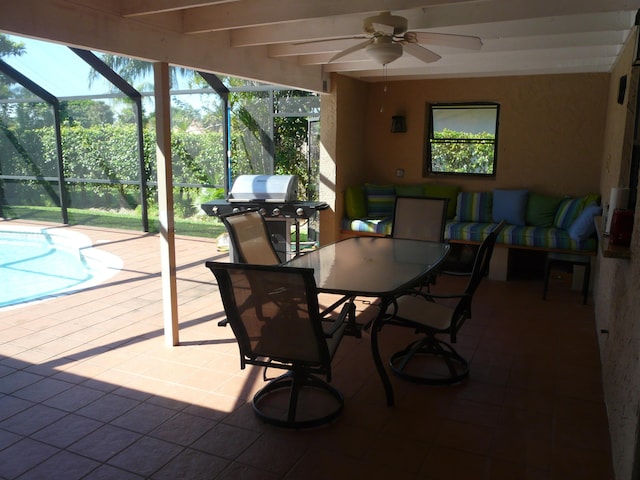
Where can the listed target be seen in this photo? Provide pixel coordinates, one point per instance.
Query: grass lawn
(197, 226)
(201, 226)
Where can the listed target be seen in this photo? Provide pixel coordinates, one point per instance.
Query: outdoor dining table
(375, 267)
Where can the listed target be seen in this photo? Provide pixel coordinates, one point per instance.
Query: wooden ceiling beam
(134, 8)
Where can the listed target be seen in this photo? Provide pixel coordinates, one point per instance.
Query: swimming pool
(39, 263)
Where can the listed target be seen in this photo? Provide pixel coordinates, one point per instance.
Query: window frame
(429, 137)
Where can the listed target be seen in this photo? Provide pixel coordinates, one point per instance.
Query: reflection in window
(462, 139)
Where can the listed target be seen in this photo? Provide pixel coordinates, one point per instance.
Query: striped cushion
(380, 200)
(469, 231)
(567, 212)
(369, 225)
(525, 236)
(474, 207)
(355, 202)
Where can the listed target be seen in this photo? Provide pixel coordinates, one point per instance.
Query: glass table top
(371, 266)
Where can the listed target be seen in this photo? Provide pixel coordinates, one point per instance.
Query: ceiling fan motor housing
(395, 25)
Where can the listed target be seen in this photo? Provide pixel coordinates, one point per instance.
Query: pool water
(38, 263)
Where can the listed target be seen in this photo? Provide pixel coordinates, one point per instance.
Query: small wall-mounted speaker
(398, 124)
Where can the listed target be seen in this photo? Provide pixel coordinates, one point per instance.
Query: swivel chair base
(298, 400)
(429, 361)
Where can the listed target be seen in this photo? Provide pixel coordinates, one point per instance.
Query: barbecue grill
(276, 198)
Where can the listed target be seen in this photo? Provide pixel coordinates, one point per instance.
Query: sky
(61, 72)
(55, 68)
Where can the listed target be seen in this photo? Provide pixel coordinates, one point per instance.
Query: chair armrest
(431, 296)
(428, 297)
(454, 273)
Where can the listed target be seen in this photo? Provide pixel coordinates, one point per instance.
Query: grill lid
(267, 188)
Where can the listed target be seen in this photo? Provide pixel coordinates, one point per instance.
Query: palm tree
(133, 70)
(9, 47)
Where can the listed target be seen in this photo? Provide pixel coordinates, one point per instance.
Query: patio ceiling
(269, 40)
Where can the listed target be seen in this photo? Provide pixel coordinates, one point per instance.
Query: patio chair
(275, 317)
(250, 239)
(429, 359)
(420, 218)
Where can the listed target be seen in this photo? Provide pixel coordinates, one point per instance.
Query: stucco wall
(618, 281)
(550, 134)
(342, 148)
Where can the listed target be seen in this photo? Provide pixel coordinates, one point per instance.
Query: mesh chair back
(483, 260)
(480, 270)
(420, 218)
(250, 238)
(273, 312)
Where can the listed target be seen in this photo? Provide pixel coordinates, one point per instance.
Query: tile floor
(89, 389)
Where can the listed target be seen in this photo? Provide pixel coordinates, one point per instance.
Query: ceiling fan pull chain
(384, 88)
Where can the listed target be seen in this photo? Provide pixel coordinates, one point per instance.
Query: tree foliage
(101, 163)
(86, 113)
(265, 139)
(100, 147)
(462, 152)
(9, 48)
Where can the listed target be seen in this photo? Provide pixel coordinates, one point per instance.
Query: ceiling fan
(387, 38)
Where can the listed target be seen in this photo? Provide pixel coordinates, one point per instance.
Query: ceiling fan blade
(349, 50)
(324, 40)
(444, 39)
(421, 53)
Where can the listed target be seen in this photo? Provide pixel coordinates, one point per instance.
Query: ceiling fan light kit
(383, 50)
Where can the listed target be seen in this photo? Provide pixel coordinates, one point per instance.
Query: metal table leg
(376, 325)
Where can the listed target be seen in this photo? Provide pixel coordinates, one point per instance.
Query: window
(462, 139)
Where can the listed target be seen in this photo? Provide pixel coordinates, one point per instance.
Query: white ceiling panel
(292, 42)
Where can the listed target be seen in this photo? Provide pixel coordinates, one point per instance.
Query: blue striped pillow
(474, 207)
(380, 200)
(567, 212)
